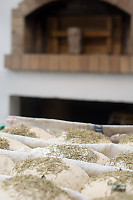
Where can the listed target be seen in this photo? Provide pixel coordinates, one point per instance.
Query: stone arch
(125, 5)
(28, 6)
(20, 60)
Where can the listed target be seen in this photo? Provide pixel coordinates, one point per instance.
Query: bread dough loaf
(127, 141)
(75, 152)
(101, 185)
(81, 136)
(31, 188)
(117, 137)
(124, 160)
(6, 164)
(28, 131)
(41, 134)
(118, 196)
(15, 145)
(54, 169)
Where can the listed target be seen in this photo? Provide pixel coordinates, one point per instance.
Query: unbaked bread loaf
(11, 144)
(41, 134)
(81, 136)
(124, 160)
(54, 169)
(118, 196)
(31, 188)
(6, 164)
(77, 152)
(29, 131)
(102, 185)
(127, 141)
(117, 137)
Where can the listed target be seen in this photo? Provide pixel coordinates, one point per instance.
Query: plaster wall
(81, 86)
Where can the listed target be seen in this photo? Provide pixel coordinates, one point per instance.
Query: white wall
(5, 48)
(5, 27)
(117, 88)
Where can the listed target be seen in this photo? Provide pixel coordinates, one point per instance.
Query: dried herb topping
(126, 140)
(121, 177)
(32, 187)
(84, 136)
(20, 130)
(4, 144)
(125, 159)
(118, 196)
(43, 165)
(73, 152)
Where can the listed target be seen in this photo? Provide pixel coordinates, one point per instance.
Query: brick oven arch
(20, 59)
(28, 6)
(125, 5)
